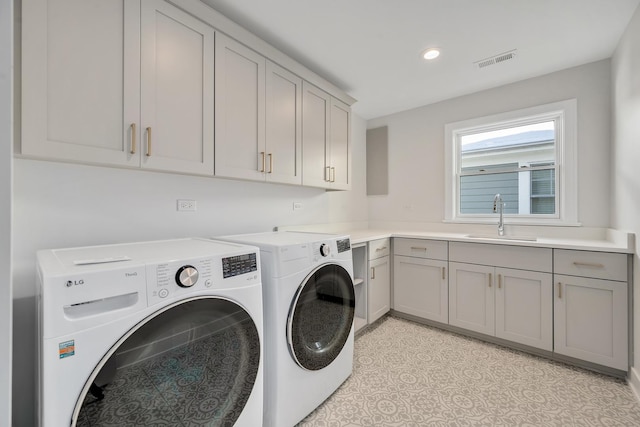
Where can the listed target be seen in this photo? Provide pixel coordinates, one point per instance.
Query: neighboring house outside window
(527, 156)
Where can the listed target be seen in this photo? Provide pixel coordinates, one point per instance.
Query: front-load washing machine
(309, 304)
(153, 333)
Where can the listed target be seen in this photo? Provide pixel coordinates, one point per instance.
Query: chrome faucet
(498, 205)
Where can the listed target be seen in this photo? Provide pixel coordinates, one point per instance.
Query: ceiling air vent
(496, 59)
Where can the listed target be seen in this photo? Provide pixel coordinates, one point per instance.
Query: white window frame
(565, 115)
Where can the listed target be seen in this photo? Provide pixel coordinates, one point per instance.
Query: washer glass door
(321, 317)
(192, 363)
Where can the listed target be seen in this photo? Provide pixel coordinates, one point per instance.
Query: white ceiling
(371, 48)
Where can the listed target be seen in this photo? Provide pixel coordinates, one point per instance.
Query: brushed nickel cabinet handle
(333, 174)
(418, 248)
(499, 281)
(559, 290)
(133, 138)
(490, 279)
(149, 142)
(373, 272)
(443, 273)
(588, 264)
(381, 248)
(327, 173)
(264, 160)
(270, 162)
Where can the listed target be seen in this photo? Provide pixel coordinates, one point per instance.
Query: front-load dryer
(309, 304)
(154, 333)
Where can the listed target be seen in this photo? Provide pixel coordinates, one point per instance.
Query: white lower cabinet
(524, 308)
(471, 300)
(420, 288)
(379, 295)
(420, 278)
(591, 313)
(507, 303)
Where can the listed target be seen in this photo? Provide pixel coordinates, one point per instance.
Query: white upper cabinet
(145, 84)
(316, 106)
(283, 146)
(326, 140)
(258, 116)
(240, 111)
(80, 80)
(125, 83)
(176, 90)
(340, 150)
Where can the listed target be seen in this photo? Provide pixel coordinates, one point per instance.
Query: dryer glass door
(321, 317)
(192, 363)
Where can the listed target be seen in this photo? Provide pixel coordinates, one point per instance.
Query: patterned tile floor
(406, 374)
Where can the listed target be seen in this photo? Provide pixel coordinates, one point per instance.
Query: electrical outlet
(186, 205)
(297, 206)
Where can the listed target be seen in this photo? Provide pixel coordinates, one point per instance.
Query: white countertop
(605, 241)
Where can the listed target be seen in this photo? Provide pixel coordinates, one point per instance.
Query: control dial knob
(325, 249)
(187, 276)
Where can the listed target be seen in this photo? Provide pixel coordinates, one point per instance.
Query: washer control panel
(344, 245)
(239, 264)
(183, 277)
(325, 250)
(187, 276)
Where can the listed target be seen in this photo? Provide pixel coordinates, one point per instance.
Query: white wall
(62, 205)
(625, 185)
(416, 143)
(6, 157)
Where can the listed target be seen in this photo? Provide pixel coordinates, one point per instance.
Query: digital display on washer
(344, 245)
(239, 264)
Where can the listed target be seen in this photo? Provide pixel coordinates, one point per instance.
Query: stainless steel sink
(496, 237)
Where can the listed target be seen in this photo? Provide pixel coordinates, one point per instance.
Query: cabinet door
(420, 288)
(471, 297)
(81, 80)
(524, 312)
(379, 288)
(591, 320)
(340, 151)
(284, 125)
(240, 111)
(315, 136)
(177, 90)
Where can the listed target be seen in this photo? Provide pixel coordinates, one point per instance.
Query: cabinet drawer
(518, 257)
(379, 248)
(421, 248)
(599, 265)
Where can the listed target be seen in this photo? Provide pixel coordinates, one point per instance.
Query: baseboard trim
(634, 382)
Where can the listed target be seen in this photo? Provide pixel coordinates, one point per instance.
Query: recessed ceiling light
(431, 53)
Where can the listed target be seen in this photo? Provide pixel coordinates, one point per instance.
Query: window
(526, 156)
